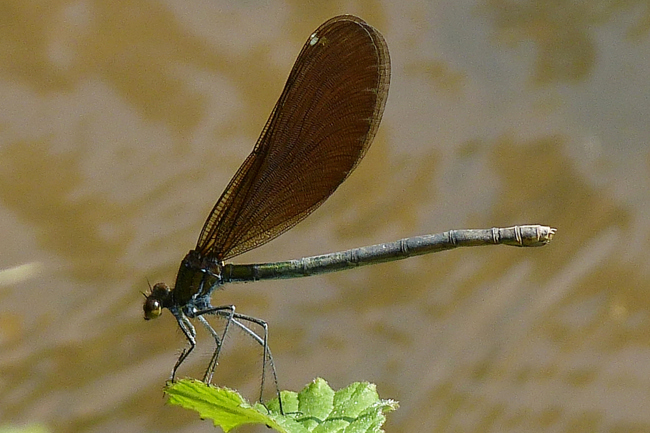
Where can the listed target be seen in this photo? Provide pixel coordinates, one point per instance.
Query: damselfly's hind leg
(236, 319)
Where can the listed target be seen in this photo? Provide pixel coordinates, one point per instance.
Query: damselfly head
(155, 300)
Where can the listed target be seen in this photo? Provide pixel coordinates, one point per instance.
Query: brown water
(121, 122)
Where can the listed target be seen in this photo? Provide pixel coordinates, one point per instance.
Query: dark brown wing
(319, 130)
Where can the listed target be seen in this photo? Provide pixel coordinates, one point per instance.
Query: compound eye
(152, 308)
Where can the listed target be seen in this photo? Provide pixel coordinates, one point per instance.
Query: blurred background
(121, 123)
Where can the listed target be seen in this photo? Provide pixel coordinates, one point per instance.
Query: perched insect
(320, 128)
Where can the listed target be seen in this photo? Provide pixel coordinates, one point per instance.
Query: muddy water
(120, 125)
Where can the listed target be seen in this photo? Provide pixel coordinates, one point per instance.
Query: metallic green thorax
(197, 277)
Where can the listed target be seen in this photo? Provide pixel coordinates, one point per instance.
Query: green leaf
(317, 408)
(225, 407)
